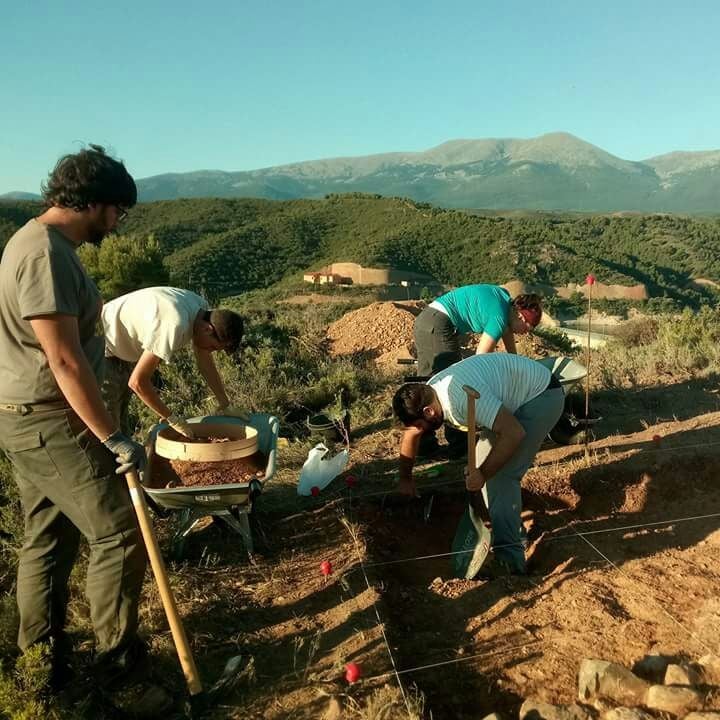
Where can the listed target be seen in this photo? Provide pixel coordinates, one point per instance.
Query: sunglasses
(122, 213)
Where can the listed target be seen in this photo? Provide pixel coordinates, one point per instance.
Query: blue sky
(173, 87)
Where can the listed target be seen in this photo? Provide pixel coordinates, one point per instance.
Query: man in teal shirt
(486, 310)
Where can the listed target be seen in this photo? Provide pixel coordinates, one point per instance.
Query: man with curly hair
(67, 452)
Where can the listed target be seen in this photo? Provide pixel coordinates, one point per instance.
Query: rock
(674, 699)
(494, 716)
(682, 674)
(600, 678)
(710, 668)
(652, 667)
(603, 705)
(703, 716)
(623, 713)
(537, 710)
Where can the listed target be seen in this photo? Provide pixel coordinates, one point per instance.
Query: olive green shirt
(41, 274)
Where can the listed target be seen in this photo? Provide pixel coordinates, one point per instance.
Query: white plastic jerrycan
(320, 469)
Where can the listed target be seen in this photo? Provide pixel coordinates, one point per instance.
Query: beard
(97, 232)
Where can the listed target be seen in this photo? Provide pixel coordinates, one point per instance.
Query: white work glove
(232, 411)
(128, 453)
(180, 425)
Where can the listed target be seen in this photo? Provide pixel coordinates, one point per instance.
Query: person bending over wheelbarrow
(148, 326)
(519, 401)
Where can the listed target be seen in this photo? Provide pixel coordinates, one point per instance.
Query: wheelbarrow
(572, 426)
(231, 503)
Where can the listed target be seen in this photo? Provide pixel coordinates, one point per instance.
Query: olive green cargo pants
(68, 487)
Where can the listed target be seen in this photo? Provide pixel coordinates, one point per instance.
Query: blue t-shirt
(478, 309)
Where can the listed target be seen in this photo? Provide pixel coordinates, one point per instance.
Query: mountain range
(557, 171)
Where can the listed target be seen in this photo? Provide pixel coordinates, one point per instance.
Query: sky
(238, 85)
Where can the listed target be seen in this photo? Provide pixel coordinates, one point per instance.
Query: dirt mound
(382, 330)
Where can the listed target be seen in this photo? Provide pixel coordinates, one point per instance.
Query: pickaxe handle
(168, 600)
(475, 498)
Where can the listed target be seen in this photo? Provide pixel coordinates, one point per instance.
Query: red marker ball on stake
(656, 439)
(590, 280)
(352, 672)
(350, 481)
(314, 490)
(326, 567)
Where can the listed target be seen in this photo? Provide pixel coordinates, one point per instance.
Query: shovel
(198, 696)
(472, 538)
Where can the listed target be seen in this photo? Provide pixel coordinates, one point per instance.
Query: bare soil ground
(625, 560)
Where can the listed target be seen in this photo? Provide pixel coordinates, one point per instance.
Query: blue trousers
(502, 492)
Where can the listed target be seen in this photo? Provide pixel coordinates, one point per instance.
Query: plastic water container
(320, 469)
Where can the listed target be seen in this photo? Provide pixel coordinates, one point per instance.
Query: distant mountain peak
(19, 195)
(555, 171)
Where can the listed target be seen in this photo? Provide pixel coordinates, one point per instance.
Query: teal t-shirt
(478, 309)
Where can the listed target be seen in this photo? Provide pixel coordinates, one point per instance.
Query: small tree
(124, 263)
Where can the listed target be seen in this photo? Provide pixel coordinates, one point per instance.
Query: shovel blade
(471, 545)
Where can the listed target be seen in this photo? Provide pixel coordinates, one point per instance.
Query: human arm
(208, 369)
(486, 344)
(509, 433)
(59, 339)
(140, 383)
(408, 452)
(508, 339)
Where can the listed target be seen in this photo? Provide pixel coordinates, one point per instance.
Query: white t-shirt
(500, 379)
(157, 319)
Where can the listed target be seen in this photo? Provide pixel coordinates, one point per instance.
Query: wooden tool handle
(158, 567)
(472, 396)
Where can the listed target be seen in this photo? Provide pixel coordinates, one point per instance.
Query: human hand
(474, 480)
(128, 453)
(407, 487)
(180, 425)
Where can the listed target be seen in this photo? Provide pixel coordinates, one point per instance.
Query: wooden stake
(590, 280)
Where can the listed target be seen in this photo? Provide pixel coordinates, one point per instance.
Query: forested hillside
(227, 246)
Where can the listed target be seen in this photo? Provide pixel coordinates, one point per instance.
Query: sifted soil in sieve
(172, 473)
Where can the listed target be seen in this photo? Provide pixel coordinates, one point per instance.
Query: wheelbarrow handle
(157, 563)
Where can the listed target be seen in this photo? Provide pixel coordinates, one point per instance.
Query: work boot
(121, 666)
(125, 680)
(495, 567)
(141, 700)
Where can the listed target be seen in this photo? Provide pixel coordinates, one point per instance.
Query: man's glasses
(122, 213)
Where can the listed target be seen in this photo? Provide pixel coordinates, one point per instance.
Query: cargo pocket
(29, 441)
(28, 455)
(100, 459)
